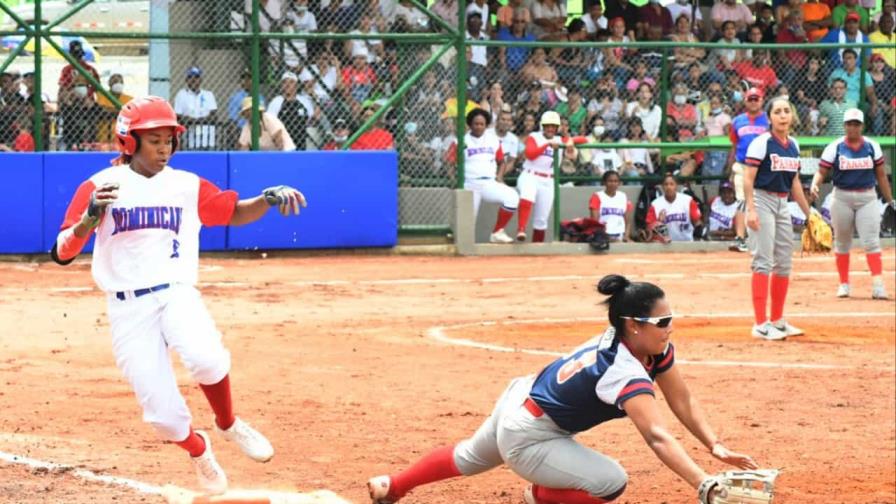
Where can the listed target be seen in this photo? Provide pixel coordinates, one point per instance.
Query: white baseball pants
(491, 191)
(536, 449)
(855, 211)
(143, 330)
(539, 190)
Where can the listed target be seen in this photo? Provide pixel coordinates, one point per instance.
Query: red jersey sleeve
(695, 210)
(24, 143)
(533, 150)
(78, 205)
(216, 207)
(68, 246)
(499, 156)
(628, 206)
(594, 203)
(651, 217)
(451, 153)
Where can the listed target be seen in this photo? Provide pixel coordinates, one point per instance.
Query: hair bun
(611, 285)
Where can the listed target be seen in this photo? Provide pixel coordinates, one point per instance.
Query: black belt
(142, 292)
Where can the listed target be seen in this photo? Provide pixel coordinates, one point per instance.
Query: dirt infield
(351, 367)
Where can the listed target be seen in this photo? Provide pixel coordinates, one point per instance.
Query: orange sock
(218, 396)
(875, 264)
(194, 444)
(436, 466)
(779, 295)
(544, 495)
(760, 296)
(843, 267)
(523, 214)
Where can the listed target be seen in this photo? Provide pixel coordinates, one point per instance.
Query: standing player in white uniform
(611, 207)
(857, 163)
(147, 216)
(677, 211)
(536, 182)
(483, 162)
(773, 165)
(722, 210)
(533, 425)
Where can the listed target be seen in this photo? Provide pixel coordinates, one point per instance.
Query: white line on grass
(437, 333)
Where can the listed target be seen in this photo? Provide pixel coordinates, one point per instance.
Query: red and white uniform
(536, 182)
(721, 216)
(149, 239)
(678, 216)
(481, 157)
(611, 211)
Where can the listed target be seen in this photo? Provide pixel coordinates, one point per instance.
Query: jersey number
(573, 367)
(174, 246)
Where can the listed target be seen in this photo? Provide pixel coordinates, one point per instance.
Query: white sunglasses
(663, 321)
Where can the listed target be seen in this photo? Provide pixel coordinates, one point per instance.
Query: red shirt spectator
(352, 76)
(757, 72)
(66, 78)
(374, 139)
(654, 14)
(792, 32)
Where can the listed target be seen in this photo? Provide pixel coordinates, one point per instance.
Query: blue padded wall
(22, 203)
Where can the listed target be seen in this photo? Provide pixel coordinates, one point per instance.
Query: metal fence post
(556, 209)
(461, 84)
(664, 100)
(255, 57)
(37, 100)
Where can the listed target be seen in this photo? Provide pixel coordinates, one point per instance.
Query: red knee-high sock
(843, 267)
(523, 214)
(504, 216)
(546, 495)
(218, 396)
(760, 296)
(537, 235)
(435, 466)
(875, 264)
(779, 295)
(194, 444)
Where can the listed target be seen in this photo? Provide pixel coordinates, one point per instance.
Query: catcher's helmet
(142, 114)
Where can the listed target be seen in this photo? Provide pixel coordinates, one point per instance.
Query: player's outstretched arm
(288, 199)
(688, 411)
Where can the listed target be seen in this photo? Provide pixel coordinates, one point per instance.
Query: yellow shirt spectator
(888, 53)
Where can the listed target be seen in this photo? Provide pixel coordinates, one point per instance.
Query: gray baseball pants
(855, 210)
(772, 245)
(536, 449)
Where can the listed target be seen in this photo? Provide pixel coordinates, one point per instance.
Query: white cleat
(529, 496)
(878, 291)
(843, 291)
(378, 487)
(500, 236)
(788, 330)
(210, 474)
(767, 331)
(250, 441)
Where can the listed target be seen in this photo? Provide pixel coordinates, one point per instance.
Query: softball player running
(482, 158)
(533, 425)
(857, 162)
(536, 182)
(744, 129)
(147, 216)
(773, 165)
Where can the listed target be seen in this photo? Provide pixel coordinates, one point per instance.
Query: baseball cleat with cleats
(378, 487)
(521, 236)
(843, 291)
(768, 332)
(210, 474)
(786, 328)
(879, 292)
(500, 236)
(250, 441)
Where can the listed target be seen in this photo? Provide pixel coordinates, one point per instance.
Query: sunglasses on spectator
(661, 322)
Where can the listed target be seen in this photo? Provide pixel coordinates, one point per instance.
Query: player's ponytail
(627, 299)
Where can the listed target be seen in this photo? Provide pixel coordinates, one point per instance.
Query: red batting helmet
(142, 114)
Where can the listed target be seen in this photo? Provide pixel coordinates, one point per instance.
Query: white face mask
(599, 131)
(340, 138)
(81, 91)
(117, 88)
(301, 9)
(681, 99)
(785, 97)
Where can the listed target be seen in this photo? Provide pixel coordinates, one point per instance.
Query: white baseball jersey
(150, 234)
(481, 155)
(544, 163)
(677, 216)
(510, 144)
(611, 211)
(721, 216)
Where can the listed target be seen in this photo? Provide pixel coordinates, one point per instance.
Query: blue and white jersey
(853, 165)
(589, 386)
(744, 129)
(778, 161)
